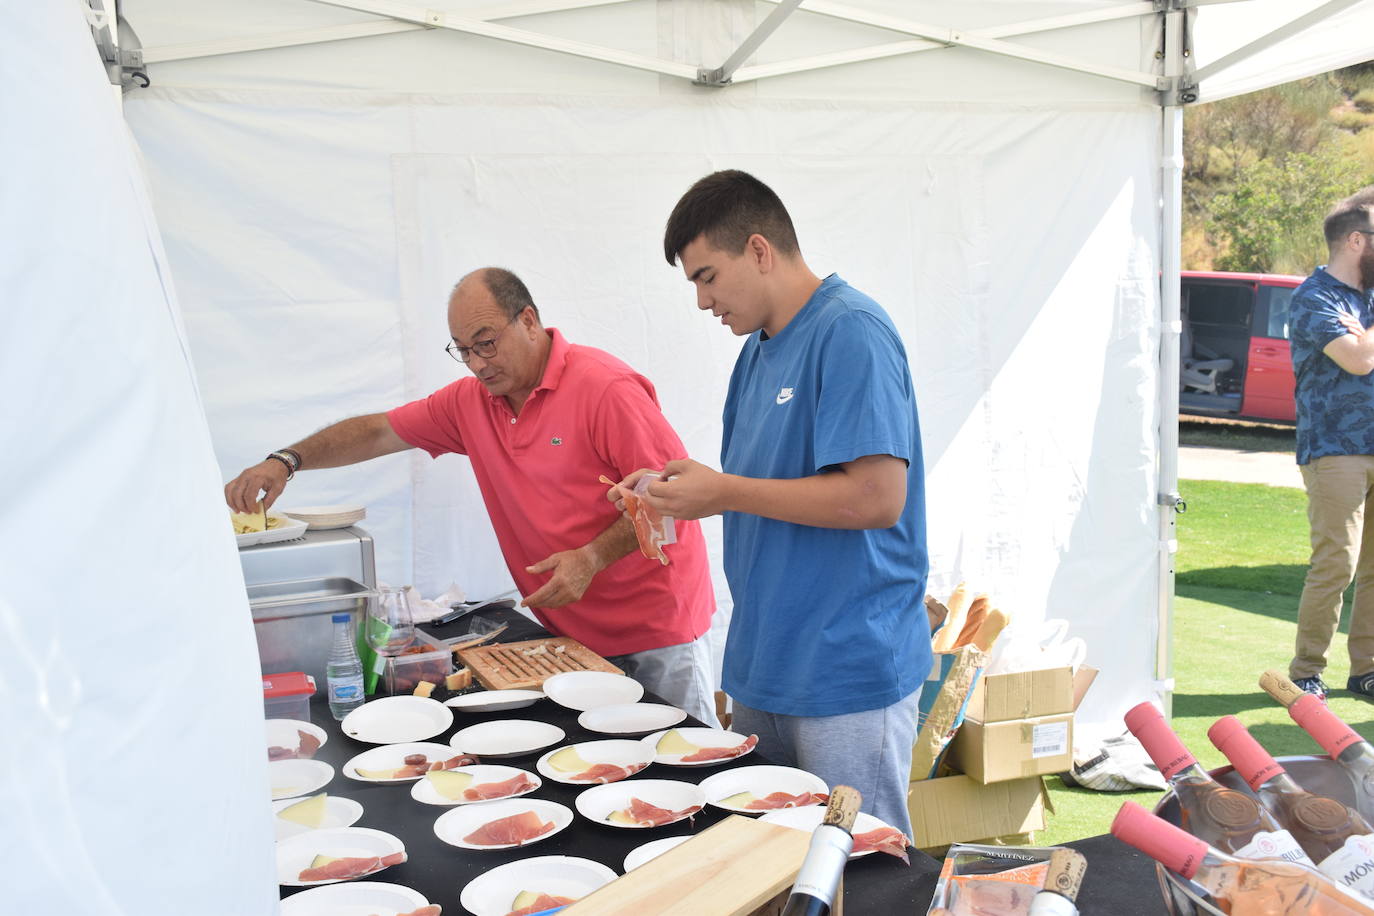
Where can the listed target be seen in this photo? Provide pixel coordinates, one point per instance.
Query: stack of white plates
(328, 516)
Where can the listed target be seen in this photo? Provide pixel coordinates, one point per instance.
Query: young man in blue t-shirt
(822, 494)
(1333, 355)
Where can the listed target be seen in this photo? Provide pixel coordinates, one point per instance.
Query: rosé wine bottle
(1334, 836)
(1339, 740)
(1242, 886)
(1225, 818)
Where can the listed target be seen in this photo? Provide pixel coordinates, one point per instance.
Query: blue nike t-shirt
(826, 621)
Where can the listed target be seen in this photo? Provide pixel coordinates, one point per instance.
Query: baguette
(954, 623)
(977, 612)
(992, 627)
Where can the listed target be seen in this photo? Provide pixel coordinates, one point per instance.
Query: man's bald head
(505, 287)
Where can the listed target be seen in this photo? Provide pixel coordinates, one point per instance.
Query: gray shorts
(680, 674)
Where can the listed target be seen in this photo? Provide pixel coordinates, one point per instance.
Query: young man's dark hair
(1354, 213)
(728, 207)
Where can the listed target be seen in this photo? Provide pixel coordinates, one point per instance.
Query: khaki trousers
(1340, 490)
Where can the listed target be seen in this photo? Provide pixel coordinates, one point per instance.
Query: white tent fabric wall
(1026, 305)
(128, 669)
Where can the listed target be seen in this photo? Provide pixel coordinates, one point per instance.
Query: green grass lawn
(1241, 560)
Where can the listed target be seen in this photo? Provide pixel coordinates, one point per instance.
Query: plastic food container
(426, 659)
(287, 695)
(1321, 775)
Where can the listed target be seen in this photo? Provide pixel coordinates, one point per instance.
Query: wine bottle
(1333, 835)
(1339, 740)
(814, 891)
(1225, 818)
(1062, 882)
(1270, 886)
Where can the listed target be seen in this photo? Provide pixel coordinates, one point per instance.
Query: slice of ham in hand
(648, 523)
(884, 839)
(722, 753)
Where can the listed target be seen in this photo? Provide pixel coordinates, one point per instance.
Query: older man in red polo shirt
(542, 420)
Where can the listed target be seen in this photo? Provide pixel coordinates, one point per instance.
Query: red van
(1234, 359)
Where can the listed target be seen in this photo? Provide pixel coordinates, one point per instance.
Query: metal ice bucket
(1320, 775)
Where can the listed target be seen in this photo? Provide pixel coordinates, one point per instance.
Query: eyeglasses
(485, 348)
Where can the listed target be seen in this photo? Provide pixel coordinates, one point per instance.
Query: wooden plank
(739, 867)
(512, 665)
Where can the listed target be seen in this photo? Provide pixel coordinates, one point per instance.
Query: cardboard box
(1022, 695)
(957, 809)
(992, 752)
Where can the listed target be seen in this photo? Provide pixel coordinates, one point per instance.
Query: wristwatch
(289, 457)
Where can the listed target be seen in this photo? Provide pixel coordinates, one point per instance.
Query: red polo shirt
(590, 415)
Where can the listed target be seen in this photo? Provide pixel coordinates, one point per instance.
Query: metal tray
(1320, 775)
(306, 597)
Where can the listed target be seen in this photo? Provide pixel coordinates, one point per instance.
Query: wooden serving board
(739, 867)
(513, 665)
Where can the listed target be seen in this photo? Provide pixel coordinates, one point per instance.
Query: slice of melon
(672, 742)
(524, 899)
(450, 784)
(738, 800)
(322, 860)
(308, 813)
(377, 774)
(621, 817)
(569, 761)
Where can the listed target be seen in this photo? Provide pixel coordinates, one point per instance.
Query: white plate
(495, 700)
(338, 812)
(630, 718)
(290, 529)
(283, 733)
(506, 737)
(703, 738)
(392, 757)
(459, 822)
(762, 781)
(424, 791)
(596, 804)
(583, 690)
(295, 854)
(392, 720)
(293, 778)
(809, 818)
(323, 518)
(652, 850)
(492, 893)
(621, 752)
(356, 898)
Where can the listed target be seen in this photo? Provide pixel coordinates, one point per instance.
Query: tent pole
(1171, 218)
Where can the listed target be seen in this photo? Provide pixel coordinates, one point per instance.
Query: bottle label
(1352, 866)
(1276, 845)
(345, 691)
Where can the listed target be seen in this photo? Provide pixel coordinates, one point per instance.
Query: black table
(1118, 878)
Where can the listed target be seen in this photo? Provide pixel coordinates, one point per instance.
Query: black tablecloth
(1119, 880)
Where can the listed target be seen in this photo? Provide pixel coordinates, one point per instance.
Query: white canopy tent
(1003, 176)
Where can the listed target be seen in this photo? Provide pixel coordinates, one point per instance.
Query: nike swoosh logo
(784, 396)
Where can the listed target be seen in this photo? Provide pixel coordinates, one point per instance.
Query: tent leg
(1169, 503)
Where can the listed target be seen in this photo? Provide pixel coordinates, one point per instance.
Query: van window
(1219, 305)
(1276, 299)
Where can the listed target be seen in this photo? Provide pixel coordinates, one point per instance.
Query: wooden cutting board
(513, 665)
(739, 867)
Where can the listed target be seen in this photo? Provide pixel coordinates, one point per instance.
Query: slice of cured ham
(649, 528)
(351, 867)
(542, 902)
(777, 800)
(304, 751)
(884, 839)
(608, 772)
(484, 791)
(509, 831)
(722, 753)
(420, 769)
(647, 815)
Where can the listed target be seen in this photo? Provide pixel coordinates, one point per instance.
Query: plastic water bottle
(344, 671)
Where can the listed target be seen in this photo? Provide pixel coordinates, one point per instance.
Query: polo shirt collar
(1325, 279)
(553, 369)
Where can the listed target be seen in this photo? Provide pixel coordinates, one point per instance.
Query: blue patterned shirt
(1335, 408)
